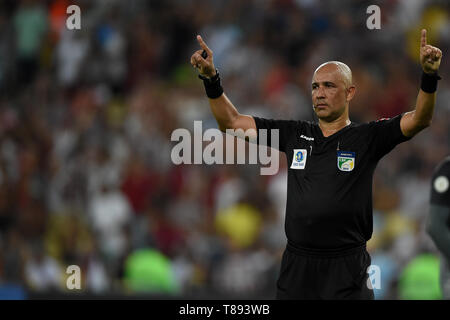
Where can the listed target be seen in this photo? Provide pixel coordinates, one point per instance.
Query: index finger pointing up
(203, 45)
(423, 40)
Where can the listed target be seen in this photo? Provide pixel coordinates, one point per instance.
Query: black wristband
(429, 82)
(212, 85)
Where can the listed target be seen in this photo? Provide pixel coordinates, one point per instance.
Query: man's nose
(320, 93)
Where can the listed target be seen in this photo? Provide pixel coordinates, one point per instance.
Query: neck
(329, 128)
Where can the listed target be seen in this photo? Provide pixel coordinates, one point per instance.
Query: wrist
(431, 72)
(212, 85)
(213, 74)
(210, 77)
(429, 82)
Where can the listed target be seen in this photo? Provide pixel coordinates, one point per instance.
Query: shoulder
(388, 128)
(279, 123)
(359, 128)
(385, 120)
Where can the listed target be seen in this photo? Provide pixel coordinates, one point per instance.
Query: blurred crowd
(86, 118)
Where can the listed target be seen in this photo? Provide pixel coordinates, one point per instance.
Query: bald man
(330, 170)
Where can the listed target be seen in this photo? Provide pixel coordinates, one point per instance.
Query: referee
(438, 224)
(330, 169)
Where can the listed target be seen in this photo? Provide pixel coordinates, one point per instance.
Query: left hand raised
(430, 57)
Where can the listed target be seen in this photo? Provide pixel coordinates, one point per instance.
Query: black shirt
(440, 191)
(329, 193)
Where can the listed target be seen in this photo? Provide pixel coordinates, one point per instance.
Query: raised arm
(226, 114)
(420, 118)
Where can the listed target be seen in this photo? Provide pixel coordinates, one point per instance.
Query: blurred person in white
(438, 224)
(329, 199)
(97, 279)
(110, 213)
(71, 52)
(42, 272)
(229, 190)
(101, 169)
(244, 272)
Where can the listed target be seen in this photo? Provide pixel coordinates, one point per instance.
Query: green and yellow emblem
(345, 160)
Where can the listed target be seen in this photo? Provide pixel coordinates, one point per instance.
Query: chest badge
(345, 160)
(299, 159)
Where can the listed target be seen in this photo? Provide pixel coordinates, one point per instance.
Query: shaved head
(342, 68)
(332, 89)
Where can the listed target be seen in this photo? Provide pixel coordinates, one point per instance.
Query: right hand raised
(204, 66)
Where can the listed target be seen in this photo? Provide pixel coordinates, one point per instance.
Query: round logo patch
(441, 184)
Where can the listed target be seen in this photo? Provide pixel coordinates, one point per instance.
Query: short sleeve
(386, 135)
(440, 188)
(286, 129)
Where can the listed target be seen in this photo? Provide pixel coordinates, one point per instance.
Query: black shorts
(329, 274)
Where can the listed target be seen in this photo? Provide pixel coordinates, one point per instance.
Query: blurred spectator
(244, 273)
(30, 22)
(147, 270)
(110, 213)
(388, 268)
(71, 51)
(228, 190)
(14, 254)
(240, 224)
(42, 272)
(97, 278)
(420, 279)
(137, 185)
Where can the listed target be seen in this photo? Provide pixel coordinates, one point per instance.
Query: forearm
(224, 112)
(423, 113)
(426, 99)
(420, 118)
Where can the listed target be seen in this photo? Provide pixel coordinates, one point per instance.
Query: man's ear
(351, 93)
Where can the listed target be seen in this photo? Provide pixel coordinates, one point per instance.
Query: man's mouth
(321, 105)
